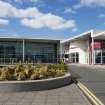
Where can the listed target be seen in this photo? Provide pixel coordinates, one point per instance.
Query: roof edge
(77, 36)
(22, 38)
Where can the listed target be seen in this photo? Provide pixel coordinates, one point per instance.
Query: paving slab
(92, 78)
(67, 95)
(93, 67)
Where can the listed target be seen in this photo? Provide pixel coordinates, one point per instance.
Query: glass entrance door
(99, 56)
(103, 56)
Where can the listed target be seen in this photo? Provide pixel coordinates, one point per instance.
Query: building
(86, 48)
(25, 50)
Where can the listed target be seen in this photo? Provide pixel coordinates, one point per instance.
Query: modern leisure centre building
(25, 50)
(86, 48)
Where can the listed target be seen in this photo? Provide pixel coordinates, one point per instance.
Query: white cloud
(50, 21)
(29, 13)
(4, 22)
(101, 15)
(7, 10)
(69, 10)
(32, 17)
(34, 0)
(18, 1)
(90, 3)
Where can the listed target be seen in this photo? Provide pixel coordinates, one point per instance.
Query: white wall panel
(80, 47)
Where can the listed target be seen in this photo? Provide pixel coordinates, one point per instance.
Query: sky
(53, 19)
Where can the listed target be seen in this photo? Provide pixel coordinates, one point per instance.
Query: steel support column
(23, 49)
(93, 51)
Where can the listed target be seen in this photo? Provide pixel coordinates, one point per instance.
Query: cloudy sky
(57, 19)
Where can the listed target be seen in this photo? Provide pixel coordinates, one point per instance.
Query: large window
(74, 57)
(40, 52)
(99, 55)
(10, 51)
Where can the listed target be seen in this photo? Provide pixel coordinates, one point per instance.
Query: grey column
(61, 51)
(23, 49)
(92, 51)
(88, 52)
(101, 57)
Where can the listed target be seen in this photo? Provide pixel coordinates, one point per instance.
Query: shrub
(38, 65)
(21, 76)
(11, 69)
(61, 66)
(51, 72)
(28, 69)
(26, 72)
(45, 71)
(59, 72)
(18, 68)
(34, 76)
(5, 74)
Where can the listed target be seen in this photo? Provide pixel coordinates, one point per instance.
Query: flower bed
(30, 72)
(28, 77)
(35, 85)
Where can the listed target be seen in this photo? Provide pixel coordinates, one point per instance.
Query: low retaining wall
(34, 85)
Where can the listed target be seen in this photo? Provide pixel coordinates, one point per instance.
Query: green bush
(51, 72)
(21, 76)
(34, 76)
(30, 72)
(43, 72)
(61, 66)
(59, 72)
(5, 74)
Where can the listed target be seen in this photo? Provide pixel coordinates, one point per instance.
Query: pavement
(93, 77)
(67, 95)
(94, 67)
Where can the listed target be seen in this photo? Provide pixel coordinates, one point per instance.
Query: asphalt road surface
(92, 78)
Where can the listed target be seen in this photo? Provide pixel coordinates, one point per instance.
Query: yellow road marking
(89, 94)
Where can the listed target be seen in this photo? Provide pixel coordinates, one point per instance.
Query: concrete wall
(35, 85)
(81, 47)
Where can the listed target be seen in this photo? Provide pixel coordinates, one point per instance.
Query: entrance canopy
(83, 36)
(99, 36)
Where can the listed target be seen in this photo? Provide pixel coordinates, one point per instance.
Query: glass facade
(12, 52)
(99, 55)
(40, 52)
(74, 57)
